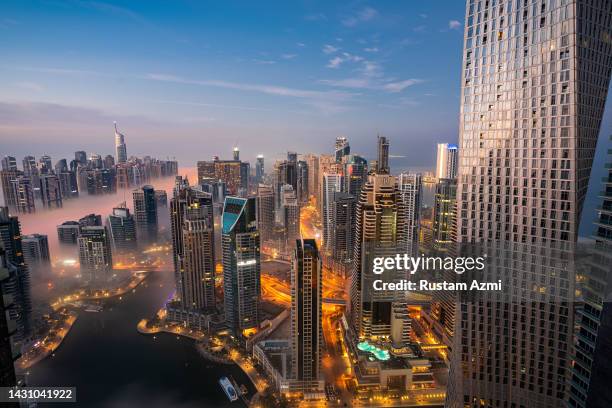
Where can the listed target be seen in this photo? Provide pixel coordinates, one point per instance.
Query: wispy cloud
(300, 44)
(371, 84)
(365, 14)
(342, 58)
(310, 97)
(371, 49)
(264, 62)
(315, 17)
(423, 15)
(334, 62)
(330, 49)
(30, 86)
(288, 56)
(420, 28)
(6, 23)
(454, 25)
(399, 86)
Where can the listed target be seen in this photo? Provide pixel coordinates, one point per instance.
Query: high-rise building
(229, 171)
(30, 167)
(342, 148)
(332, 184)
(23, 194)
(46, 165)
(162, 198)
(95, 253)
(122, 228)
(380, 230)
(445, 207)
(9, 163)
(8, 352)
(290, 216)
(241, 264)
(342, 236)
(326, 164)
(260, 170)
(236, 153)
(306, 314)
(302, 192)
(265, 212)
(382, 159)
(50, 190)
(120, 147)
(36, 250)
(193, 247)
(68, 233)
(80, 157)
(18, 285)
(312, 161)
(91, 220)
(355, 170)
(446, 161)
(6, 178)
(145, 212)
(591, 359)
(534, 86)
(411, 191)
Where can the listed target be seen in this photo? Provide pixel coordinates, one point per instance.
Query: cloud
(334, 62)
(371, 49)
(319, 99)
(300, 44)
(371, 84)
(288, 56)
(30, 86)
(342, 58)
(6, 23)
(399, 86)
(420, 28)
(315, 17)
(365, 14)
(329, 49)
(423, 15)
(454, 25)
(264, 62)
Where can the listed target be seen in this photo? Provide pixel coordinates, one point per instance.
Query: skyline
(311, 70)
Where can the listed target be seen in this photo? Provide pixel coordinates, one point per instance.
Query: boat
(228, 388)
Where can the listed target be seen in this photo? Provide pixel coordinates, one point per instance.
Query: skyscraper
(18, 285)
(445, 207)
(382, 160)
(355, 170)
(36, 251)
(265, 212)
(9, 163)
(312, 161)
(193, 247)
(332, 184)
(23, 194)
(122, 228)
(236, 153)
(145, 212)
(46, 165)
(241, 264)
(68, 233)
(342, 236)
(306, 314)
(446, 161)
(7, 353)
(534, 85)
(95, 254)
(80, 157)
(6, 178)
(120, 147)
(380, 230)
(50, 190)
(411, 191)
(342, 148)
(259, 169)
(290, 216)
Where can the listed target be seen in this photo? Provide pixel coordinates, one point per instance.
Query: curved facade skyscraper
(120, 147)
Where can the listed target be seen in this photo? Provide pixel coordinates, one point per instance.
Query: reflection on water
(111, 364)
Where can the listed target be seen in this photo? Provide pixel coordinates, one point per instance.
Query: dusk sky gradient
(190, 79)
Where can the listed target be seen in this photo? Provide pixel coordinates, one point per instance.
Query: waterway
(112, 365)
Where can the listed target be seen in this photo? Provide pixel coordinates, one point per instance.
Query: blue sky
(191, 79)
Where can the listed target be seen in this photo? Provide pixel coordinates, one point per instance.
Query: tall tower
(306, 314)
(241, 264)
(380, 230)
(120, 146)
(236, 153)
(332, 183)
(446, 161)
(259, 168)
(411, 192)
(145, 212)
(193, 247)
(382, 161)
(50, 190)
(95, 253)
(122, 228)
(18, 285)
(265, 211)
(36, 250)
(342, 148)
(534, 85)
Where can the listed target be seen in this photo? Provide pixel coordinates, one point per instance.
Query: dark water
(112, 365)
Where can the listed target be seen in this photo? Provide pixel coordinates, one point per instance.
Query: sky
(190, 79)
